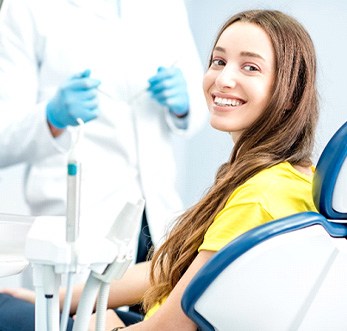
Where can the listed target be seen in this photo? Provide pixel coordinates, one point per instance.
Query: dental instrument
(74, 187)
(120, 235)
(72, 216)
(54, 247)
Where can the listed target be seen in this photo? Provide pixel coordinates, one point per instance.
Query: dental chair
(289, 274)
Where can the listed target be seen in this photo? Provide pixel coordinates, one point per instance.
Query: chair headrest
(330, 179)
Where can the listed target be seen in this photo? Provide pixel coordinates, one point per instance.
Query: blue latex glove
(77, 98)
(169, 88)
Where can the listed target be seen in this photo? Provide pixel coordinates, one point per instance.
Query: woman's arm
(131, 287)
(123, 292)
(170, 316)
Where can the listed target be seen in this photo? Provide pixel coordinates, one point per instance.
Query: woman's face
(238, 84)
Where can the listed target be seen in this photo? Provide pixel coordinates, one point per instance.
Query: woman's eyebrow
(252, 54)
(243, 53)
(219, 49)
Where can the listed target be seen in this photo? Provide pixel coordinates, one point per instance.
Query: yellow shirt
(272, 193)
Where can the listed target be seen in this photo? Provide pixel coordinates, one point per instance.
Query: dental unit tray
(13, 232)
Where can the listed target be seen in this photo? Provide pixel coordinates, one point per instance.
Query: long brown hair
(284, 132)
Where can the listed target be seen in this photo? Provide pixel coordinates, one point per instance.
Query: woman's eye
(250, 67)
(217, 62)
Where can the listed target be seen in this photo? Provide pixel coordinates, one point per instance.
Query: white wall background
(200, 157)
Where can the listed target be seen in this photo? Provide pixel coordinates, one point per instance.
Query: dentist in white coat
(130, 70)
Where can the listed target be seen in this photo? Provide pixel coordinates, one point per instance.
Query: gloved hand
(169, 88)
(77, 98)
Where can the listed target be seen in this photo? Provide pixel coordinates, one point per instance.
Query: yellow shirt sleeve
(231, 222)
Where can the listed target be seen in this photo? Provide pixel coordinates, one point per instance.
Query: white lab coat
(127, 152)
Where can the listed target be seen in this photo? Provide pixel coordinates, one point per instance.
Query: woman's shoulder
(281, 172)
(277, 182)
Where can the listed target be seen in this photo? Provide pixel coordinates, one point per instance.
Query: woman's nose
(227, 78)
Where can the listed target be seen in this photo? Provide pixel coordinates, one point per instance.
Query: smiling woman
(271, 112)
(238, 85)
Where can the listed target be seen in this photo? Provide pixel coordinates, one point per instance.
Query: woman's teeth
(227, 102)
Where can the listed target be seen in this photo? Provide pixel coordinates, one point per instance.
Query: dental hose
(101, 306)
(86, 304)
(67, 303)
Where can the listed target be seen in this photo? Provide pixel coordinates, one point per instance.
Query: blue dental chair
(289, 274)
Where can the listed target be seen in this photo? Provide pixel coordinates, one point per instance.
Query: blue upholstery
(327, 172)
(326, 176)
